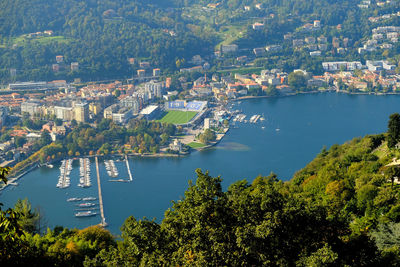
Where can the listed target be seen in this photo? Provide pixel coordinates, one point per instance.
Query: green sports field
(178, 117)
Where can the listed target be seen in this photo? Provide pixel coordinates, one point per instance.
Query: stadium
(180, 112)
(183, 105)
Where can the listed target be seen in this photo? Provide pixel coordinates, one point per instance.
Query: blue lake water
(306, 123)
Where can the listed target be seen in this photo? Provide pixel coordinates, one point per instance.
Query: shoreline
(315, 92)
(31, 167)
(23, 172)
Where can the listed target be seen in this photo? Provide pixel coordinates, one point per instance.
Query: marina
(112, 171)
(130, 178)
(242, 118)
(65, 170)
(84, 180)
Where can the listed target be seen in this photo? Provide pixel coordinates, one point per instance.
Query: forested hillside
(102, 35)
(342, 209)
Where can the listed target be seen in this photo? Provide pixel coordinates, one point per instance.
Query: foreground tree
(393, 136)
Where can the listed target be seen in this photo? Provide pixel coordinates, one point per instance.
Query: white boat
(85, 214)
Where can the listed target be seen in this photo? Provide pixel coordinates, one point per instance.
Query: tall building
(156, 88)
(168, 82)
(64, 113)
(81, 112)
(3, 116)
(131, 102)
(32, 107)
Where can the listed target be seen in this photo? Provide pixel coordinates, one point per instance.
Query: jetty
(103, 218)
(128, 168)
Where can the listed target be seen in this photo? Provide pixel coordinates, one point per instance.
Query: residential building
(379, 65)
(55, 67)
(258, 26)
(81, 112)
(341, 65)
(156, 72)
(132, 102)
(259, 52)
(310, 40)
(74, 66)
(156, 88)
(298, 42)
(141, 73)
(118, 114)
(315, 53)
(59, 59)
(229, 48)
(273, 48)
(31, 106)
(144, 64)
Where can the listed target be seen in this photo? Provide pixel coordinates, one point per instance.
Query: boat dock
(103, 218)
(128, 168)
(84, 180)
(65, 170)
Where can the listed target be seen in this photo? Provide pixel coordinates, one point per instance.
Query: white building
(229, 48)
(341, 65)
(258, 26)
(156, 88)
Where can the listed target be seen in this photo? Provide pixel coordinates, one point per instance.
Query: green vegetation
(99, 35)
(207, 137)
(196, 145)
(342, 209)
(393, 130)
(178, 117)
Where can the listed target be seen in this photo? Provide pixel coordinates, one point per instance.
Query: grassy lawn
(196, 145)
(178, 117)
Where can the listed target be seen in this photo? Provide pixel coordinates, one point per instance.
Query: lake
(295, 130)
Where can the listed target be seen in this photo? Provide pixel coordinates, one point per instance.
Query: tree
(74, 123)
(45, 138)
(207, 136)
(391, 172)
(393, 136)
(28, 219)
(58, 122)
(20, 141)
(297, 80)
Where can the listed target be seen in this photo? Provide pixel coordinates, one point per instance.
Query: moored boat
(85, 214)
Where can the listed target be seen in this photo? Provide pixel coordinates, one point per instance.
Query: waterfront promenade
(103, 218)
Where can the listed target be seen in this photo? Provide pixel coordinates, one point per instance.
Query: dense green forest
(102, 35)
(342, 209)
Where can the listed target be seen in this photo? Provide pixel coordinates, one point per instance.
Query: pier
(128, 168)
(103, 218)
